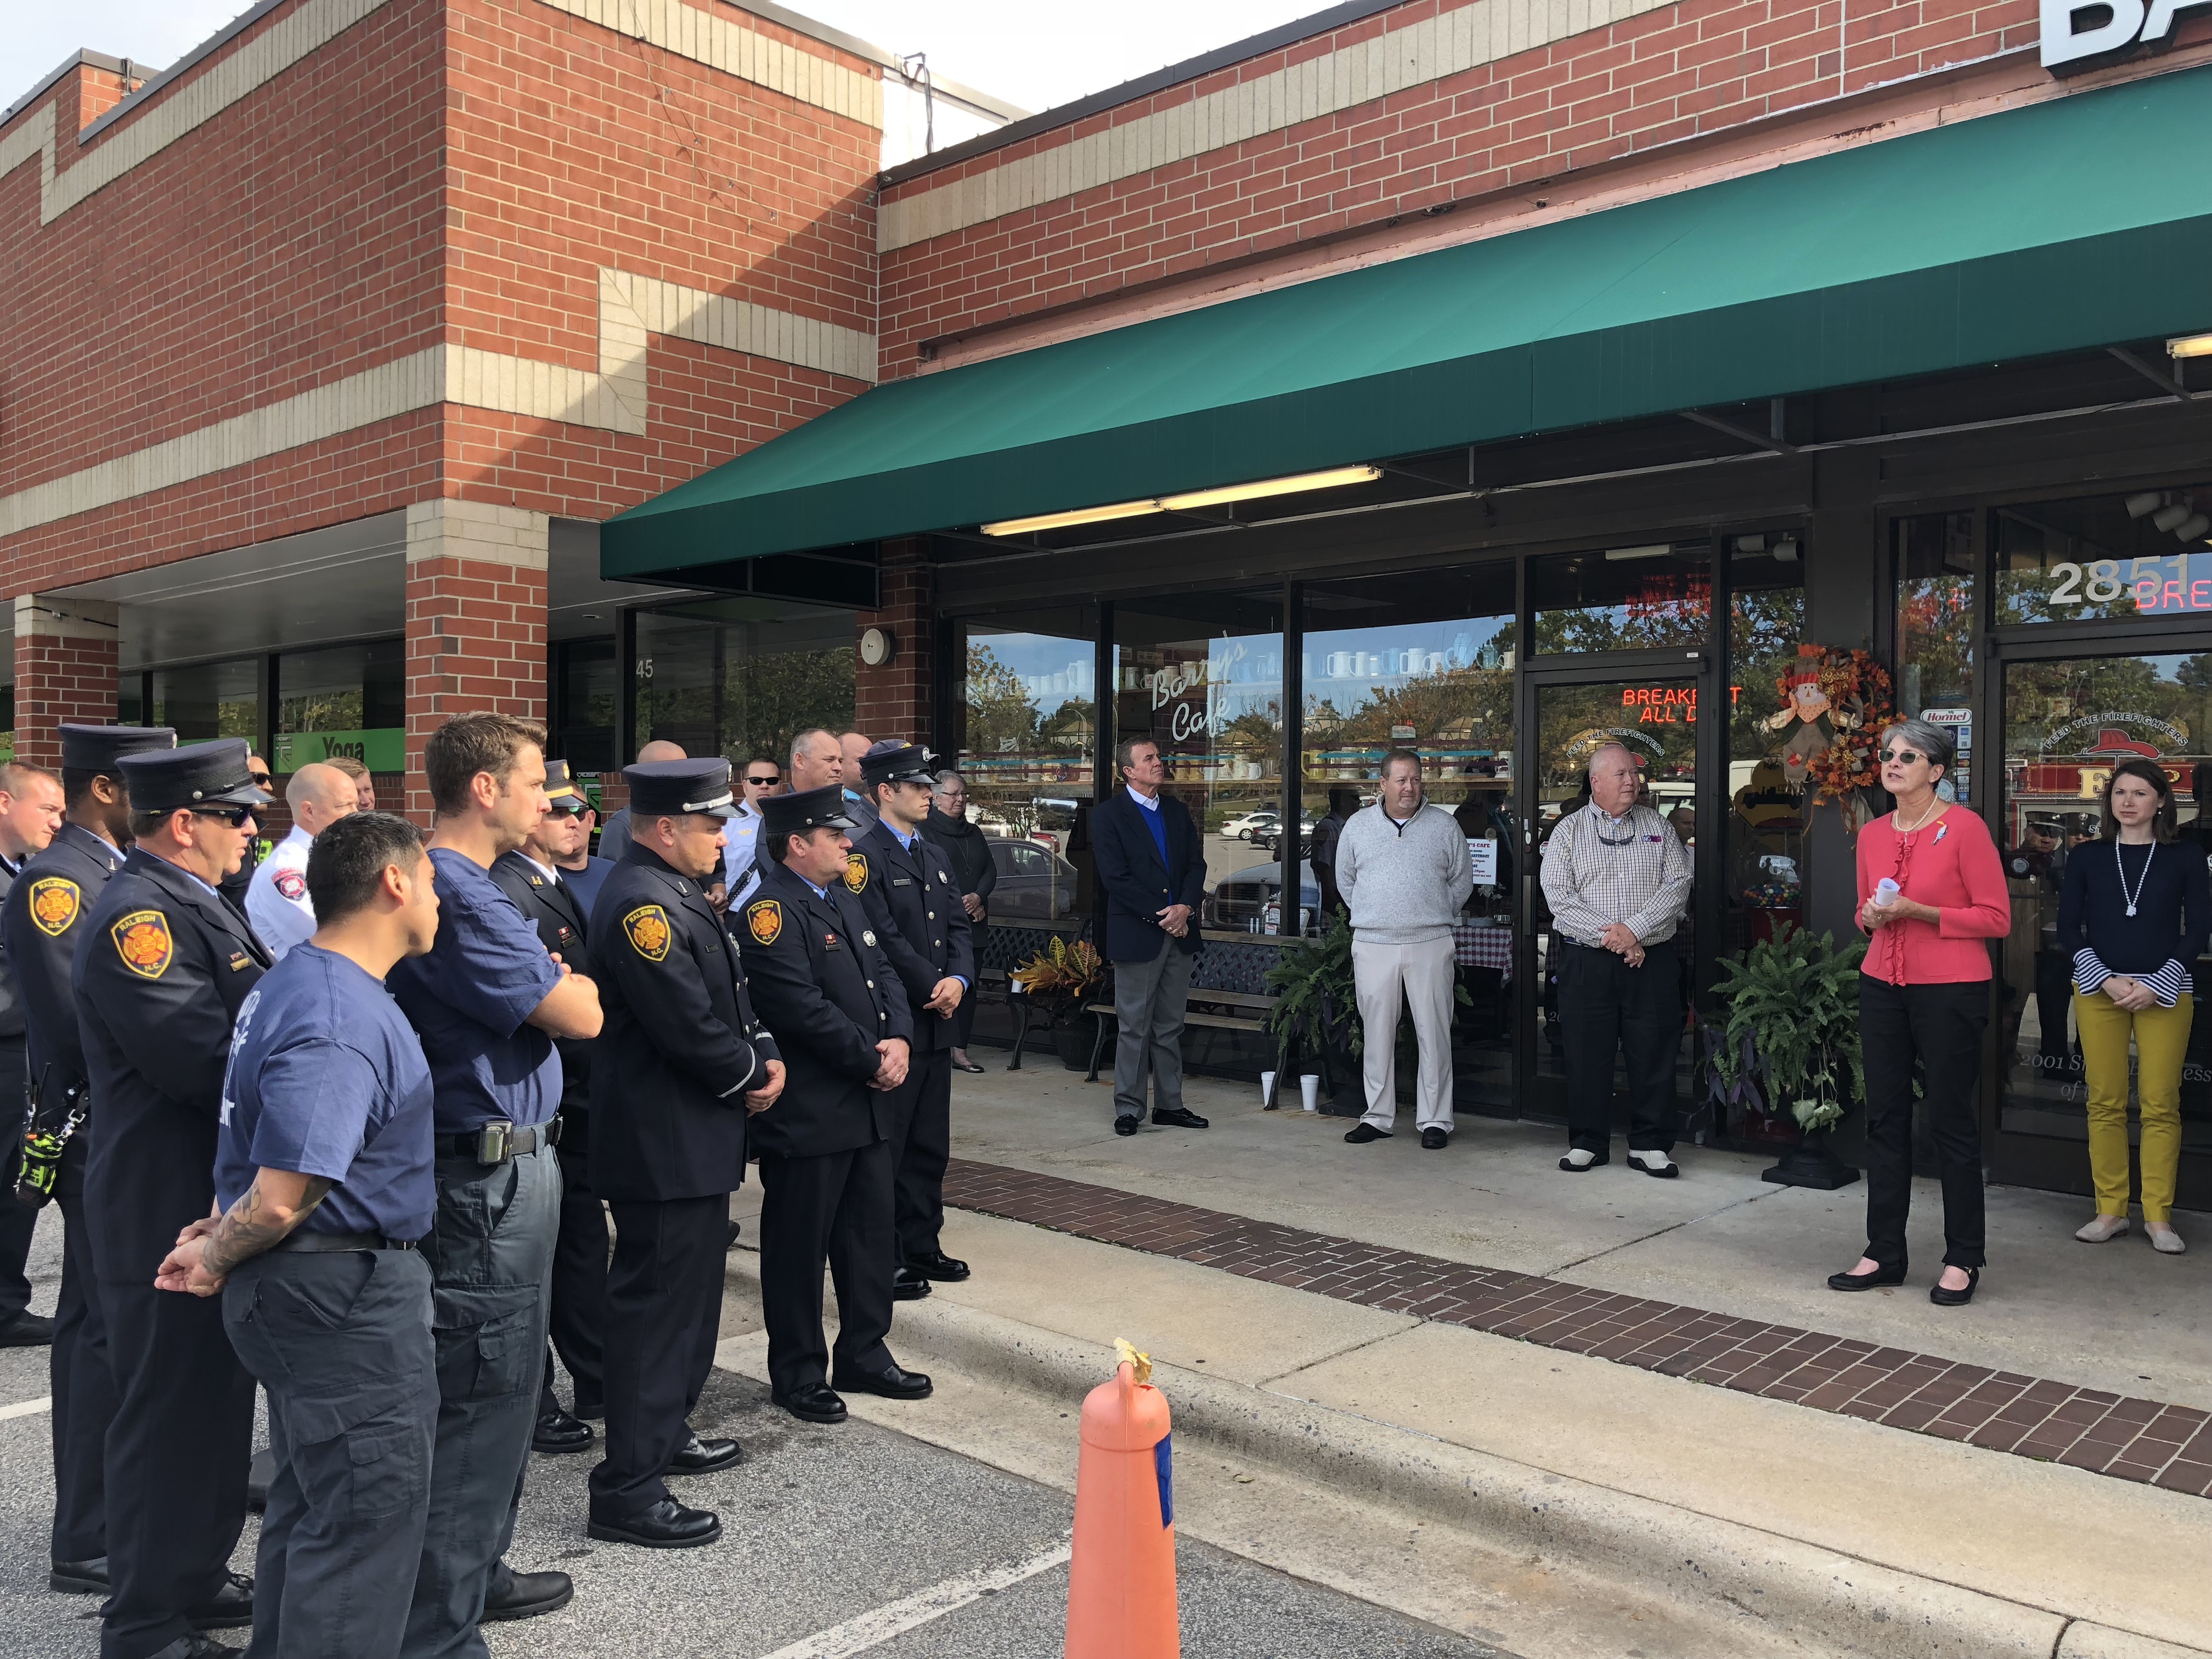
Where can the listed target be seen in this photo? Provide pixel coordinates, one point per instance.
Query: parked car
(1237, 901)
(1035, 884)
(1270, 839)
(1241, 827)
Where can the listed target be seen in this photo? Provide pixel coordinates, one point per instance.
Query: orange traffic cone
(1122, 1583)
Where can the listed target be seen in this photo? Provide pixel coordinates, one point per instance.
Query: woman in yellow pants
(2135, 923)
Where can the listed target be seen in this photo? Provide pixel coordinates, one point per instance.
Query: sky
(1033, 53)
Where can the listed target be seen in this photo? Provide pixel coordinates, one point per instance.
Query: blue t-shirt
(469, 1001)
(326, 1079)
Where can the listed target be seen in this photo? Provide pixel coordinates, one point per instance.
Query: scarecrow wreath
(1837, 703)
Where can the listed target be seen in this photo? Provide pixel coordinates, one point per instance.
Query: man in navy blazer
(1151, 869)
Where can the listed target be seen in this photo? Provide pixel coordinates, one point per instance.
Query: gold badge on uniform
(764, 920)
(55, 902)
(648, 928)
(141, 940)
(856, 872)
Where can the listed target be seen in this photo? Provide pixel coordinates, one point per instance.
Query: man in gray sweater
(1403, 868)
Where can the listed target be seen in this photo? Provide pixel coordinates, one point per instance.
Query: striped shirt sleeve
(2088, 972)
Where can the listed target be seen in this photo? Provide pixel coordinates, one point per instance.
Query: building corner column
(66, 656)
(476, 620)
(897, 698)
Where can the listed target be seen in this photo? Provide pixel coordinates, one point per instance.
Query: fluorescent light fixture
(2193, 345)
(1333, 478)
(1061, 520)
(1656, 550)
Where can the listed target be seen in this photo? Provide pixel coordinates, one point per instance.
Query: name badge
(902, 881)
(238, 961)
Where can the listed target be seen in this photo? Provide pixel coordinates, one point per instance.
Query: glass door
(1654, 717)
(2069, 716)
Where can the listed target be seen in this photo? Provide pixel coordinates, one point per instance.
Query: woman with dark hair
(2134, 923)
(1931, 896)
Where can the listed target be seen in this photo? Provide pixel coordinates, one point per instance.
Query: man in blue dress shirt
(487, 1001)
(323, 1169)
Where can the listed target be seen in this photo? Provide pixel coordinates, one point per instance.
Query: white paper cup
(1267, 1089)
(1310, 1088)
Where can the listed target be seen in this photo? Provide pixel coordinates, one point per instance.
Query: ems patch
(764, 921)
(648, 928)
(856, 872)
(292, 884)
(55, 902)
(141, 940)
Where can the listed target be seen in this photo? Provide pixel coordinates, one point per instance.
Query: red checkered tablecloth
(1478, 945)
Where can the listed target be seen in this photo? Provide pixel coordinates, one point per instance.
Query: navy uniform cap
(672, 789)
(97, 748)
(808, 809)
(894, 761)
(198, 775)
(560, 787)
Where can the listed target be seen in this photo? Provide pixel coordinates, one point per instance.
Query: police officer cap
(198, 775)
(97, 748)
(671, 788)
(894, 761)
(810, 809)
(561, 788)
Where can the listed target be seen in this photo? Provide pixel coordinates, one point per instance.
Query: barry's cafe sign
(2083, 34)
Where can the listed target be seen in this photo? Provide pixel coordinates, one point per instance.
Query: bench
(1220, 1011)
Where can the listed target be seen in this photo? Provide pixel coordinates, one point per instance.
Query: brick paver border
(2141, 1440)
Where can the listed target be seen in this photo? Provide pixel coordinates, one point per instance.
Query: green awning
(2067, 225)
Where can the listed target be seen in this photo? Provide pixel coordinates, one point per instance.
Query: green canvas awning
(2078, 222)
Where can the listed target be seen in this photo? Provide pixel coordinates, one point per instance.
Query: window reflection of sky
(1052, 670)
(1345, 666)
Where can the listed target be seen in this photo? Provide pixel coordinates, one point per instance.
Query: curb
(1803, 1595)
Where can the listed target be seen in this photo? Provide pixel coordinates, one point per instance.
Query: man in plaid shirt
(1618, 879)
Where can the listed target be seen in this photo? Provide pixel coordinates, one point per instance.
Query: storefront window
(2068, 721)
(1425, 661)
(586, 704)
(1622, 598)
(2143, 554)
(211, 700)
(1024, 734)
(131, 698)
(348, 700)
(1938, 623)
(741, 678)
(1202, 676)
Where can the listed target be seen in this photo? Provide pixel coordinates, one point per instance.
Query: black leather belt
(496, 1143)
(314, 1243)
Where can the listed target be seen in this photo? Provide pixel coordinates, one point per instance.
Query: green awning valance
(2074, 223)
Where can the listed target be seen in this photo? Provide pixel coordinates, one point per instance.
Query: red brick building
(1492, 378)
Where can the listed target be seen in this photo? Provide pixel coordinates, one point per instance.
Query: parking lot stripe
(874, 1628)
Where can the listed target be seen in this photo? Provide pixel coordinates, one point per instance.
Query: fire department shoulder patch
(55, 902)
(764, 921)
(141, 940)
(856, 872)
(291, 884)
(648, 928)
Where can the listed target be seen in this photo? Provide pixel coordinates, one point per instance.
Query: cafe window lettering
(1622, 598)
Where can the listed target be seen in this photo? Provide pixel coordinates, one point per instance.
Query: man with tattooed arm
(322, 1170)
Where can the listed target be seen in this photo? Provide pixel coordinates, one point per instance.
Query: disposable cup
(1310, 1088)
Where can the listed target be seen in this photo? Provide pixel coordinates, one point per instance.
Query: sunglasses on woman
(1903, 757)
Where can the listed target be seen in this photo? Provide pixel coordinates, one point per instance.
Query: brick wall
(65, 669)
(898, 699)
(1673, 73)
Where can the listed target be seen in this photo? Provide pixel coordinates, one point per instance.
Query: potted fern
(1316, 1018)
(1787, 1039)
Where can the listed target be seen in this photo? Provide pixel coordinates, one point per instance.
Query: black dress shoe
(967, 1066)
(260, 1475)
(1127, 1125)
(1361, 1134)
(812, 1402)
(1177, 1117)
(731, 1243)
(907, 1285)
(698, 1456)
(196, 1646)
(1873, 1280)
(229, 1608)
(557, 1431)
(1434, 1140)
(525, 1594)
(1943, 1298)
(668, 1525)
(28, 1330)
(937, 1265)
(891, 1382)
(80, 1577)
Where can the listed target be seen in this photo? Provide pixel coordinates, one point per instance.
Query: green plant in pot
(1316, 1018)
(1059, 979)
(1787, 1038)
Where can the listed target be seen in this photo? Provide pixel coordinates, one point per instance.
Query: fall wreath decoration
(1855, 691)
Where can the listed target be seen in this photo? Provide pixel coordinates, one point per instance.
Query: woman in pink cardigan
(1924, 996)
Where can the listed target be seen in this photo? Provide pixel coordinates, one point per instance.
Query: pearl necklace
(1926, 818)
(2149, 855)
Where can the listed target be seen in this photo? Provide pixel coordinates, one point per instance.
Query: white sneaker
(1578, 1160)
(2164, 1239)
(1655, 1163)
(2101, 1228)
